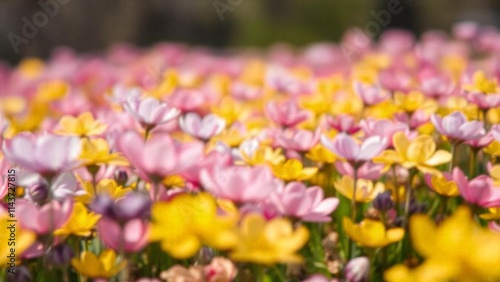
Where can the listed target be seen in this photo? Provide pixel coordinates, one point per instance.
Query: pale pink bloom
(348, 148)
(245, 92)
(159, 156)
(482, 141)
(202, 128)
(495, 131)
(370, 94)
(308, 204)
(240, 183)
(265, 208)
(396, 41)
(384, 128)
(435, 85)
(187, 100)
(220, 269)
(479, 191)
(150, 112)
(357, 269)
(213, 159)
(484, 101)
(319, 278)
(63, 186)
(344, 123)
(43, 219)
(283, 81)
(394, 80)
(418, 118)
(466, 30)
(286, 113)
(46, 154)
(121, 94)
(456, 127)
(368, 170)
(298, 140)
(495, 227)
(130, 237)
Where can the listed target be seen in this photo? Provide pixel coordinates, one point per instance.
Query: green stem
(350, 246)
(472, 163)
(453, 147)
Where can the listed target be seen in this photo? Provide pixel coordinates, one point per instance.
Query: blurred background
(93, 25)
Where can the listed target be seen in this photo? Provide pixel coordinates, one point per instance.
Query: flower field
(351, 162)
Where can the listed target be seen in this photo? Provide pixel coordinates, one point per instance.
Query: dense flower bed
(363, 161)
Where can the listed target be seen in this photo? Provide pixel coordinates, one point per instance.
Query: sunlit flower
(366, 190)
(293, 169)
(97, 152)
(80, 223)
(442, 184)
(103, 266)
(371, 233)
(83, 125)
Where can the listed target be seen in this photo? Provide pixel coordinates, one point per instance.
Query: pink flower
(370, 94)
(308, 204)
(131, 237)
(220, 270)
(368, 170)
(187, 100)
(344, 123)
(239, 183)
(213, 159)
(466, 30)
(479, 191)
(481, 142)
(47, 154)
(159, 156)
(202, 128)
(484, 101)
(43, 219)
(383, 128)
(456, 127)
(149, 112)
(298, 139)
(495, 131)
(357, 269)
(348, 148)
(495, 227)
(286, 113)
(418, 118)
(395, 80)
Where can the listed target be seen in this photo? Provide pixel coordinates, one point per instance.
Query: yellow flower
(493, 149)
(371, 233)
(444, 187)
(31, 67)
(83, 125)
(187, 221)
(263, 155)
(231, 137)
(321, 154)
(293, 170)
(80, 223)
(383, 110)
(51, 91)
(482, 84)
(366, 190)
(229, 110)
(104, 266)
(414, 100)
(105, 186)
(456, 250)
(494, 214)
(269, 242)
(420, 153)
(23, 239)
(173, 181)
(97, 152)
(495, 174)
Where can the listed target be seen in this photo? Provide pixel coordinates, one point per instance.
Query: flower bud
(59, 255)
(205, 255)
(383, 201)
(22, 274)
(357, 269)
(133, 205)
(38, 192)
(121, 177)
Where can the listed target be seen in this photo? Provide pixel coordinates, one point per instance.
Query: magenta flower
(298, 139)
(131, 237)
(479, 191)
(348, 148)
(239, 183)
(149, 112)
(286, 113)
(456, 127)
(308, 204)
(344, 123)
(370, 94)
(43, 219)
(159, 156)
(46, 154)
(202, 128)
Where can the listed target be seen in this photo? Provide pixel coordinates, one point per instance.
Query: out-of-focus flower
(59, 255)
(105, 186)
(129, 237)
(178, 273)
(286, 113)
(23, 240)
(442, 184)
(366, 190)
(150, 112)
(103, 266)
(132, 206)
(413, 101)
(384, 128)
(383, 201)
(80, 223)
(357, 270)
(47, 154)
(308, 204)
(97, 152)
(478, 191)
(293, 169)
(298, 139)
(260, 155)
(320, 153)
(368, 170)
(348, 148)
(43, 219)
(83, 125)
(202, 128)
(238, 183)
(370, 94)
(187, 221)
(149, 157)
(419, 152)
(269, 242)
(494, 214)
(483, 92)
(220, 269)
(457, 249)
(372, 234)
(344, 123)
(456, 127)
